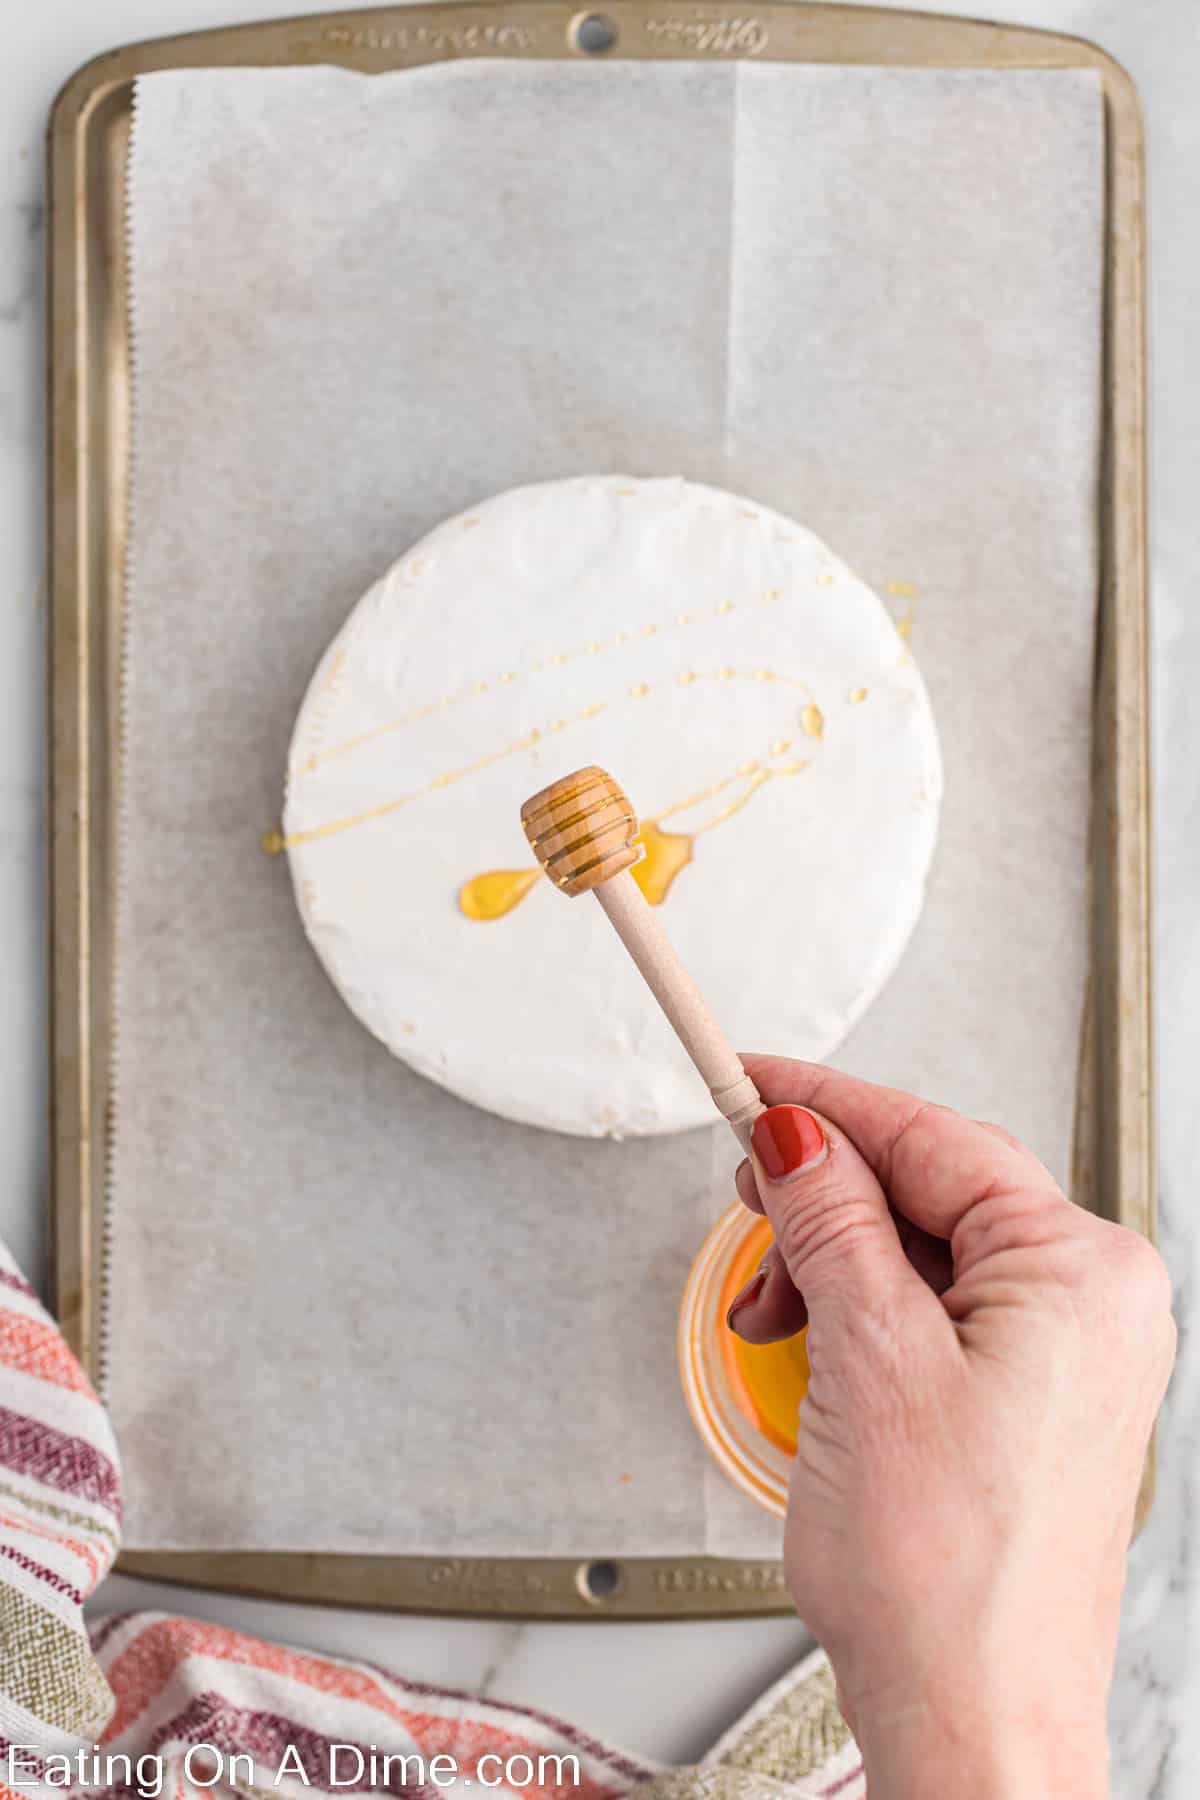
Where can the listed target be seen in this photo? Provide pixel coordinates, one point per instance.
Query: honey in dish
(768, 1381)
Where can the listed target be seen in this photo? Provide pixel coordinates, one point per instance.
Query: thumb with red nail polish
(788, 1140)
(828, 1212)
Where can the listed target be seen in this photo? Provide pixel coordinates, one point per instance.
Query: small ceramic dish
(744, 1398)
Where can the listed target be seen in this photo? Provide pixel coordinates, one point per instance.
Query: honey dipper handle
(732, 1090)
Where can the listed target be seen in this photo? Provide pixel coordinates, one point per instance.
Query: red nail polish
(751, 1291)
(787, 1139)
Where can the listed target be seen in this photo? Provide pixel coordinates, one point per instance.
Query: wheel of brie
(750, 694)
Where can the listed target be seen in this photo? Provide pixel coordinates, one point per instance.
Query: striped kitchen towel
(60, 1516)
(172, 1708)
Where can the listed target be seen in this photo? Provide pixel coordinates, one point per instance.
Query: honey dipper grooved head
(581, 829)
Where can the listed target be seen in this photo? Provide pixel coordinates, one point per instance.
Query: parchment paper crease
(347, 1312)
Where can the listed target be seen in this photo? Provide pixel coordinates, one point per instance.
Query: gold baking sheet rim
(88, 382)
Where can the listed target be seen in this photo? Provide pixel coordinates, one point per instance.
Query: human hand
(987, 1360)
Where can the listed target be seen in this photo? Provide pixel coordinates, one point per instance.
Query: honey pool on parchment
(768, 1381)
(905, 590)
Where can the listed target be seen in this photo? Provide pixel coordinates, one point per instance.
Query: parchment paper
(347, 1312)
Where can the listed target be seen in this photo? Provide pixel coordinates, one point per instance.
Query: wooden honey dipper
(581, 829)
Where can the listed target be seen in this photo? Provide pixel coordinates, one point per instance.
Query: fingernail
(787, 1141)
(744, 1296)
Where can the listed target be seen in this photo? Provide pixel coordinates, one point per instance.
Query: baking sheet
(842, 544)
(324, 365)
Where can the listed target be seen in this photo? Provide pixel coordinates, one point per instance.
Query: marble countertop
(666, 1690)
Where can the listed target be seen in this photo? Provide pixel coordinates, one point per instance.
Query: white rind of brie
(738, 681)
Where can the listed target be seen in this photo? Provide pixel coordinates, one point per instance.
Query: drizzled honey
(664, 853)
(491, 895)
(497, 891)
(768, 1381)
